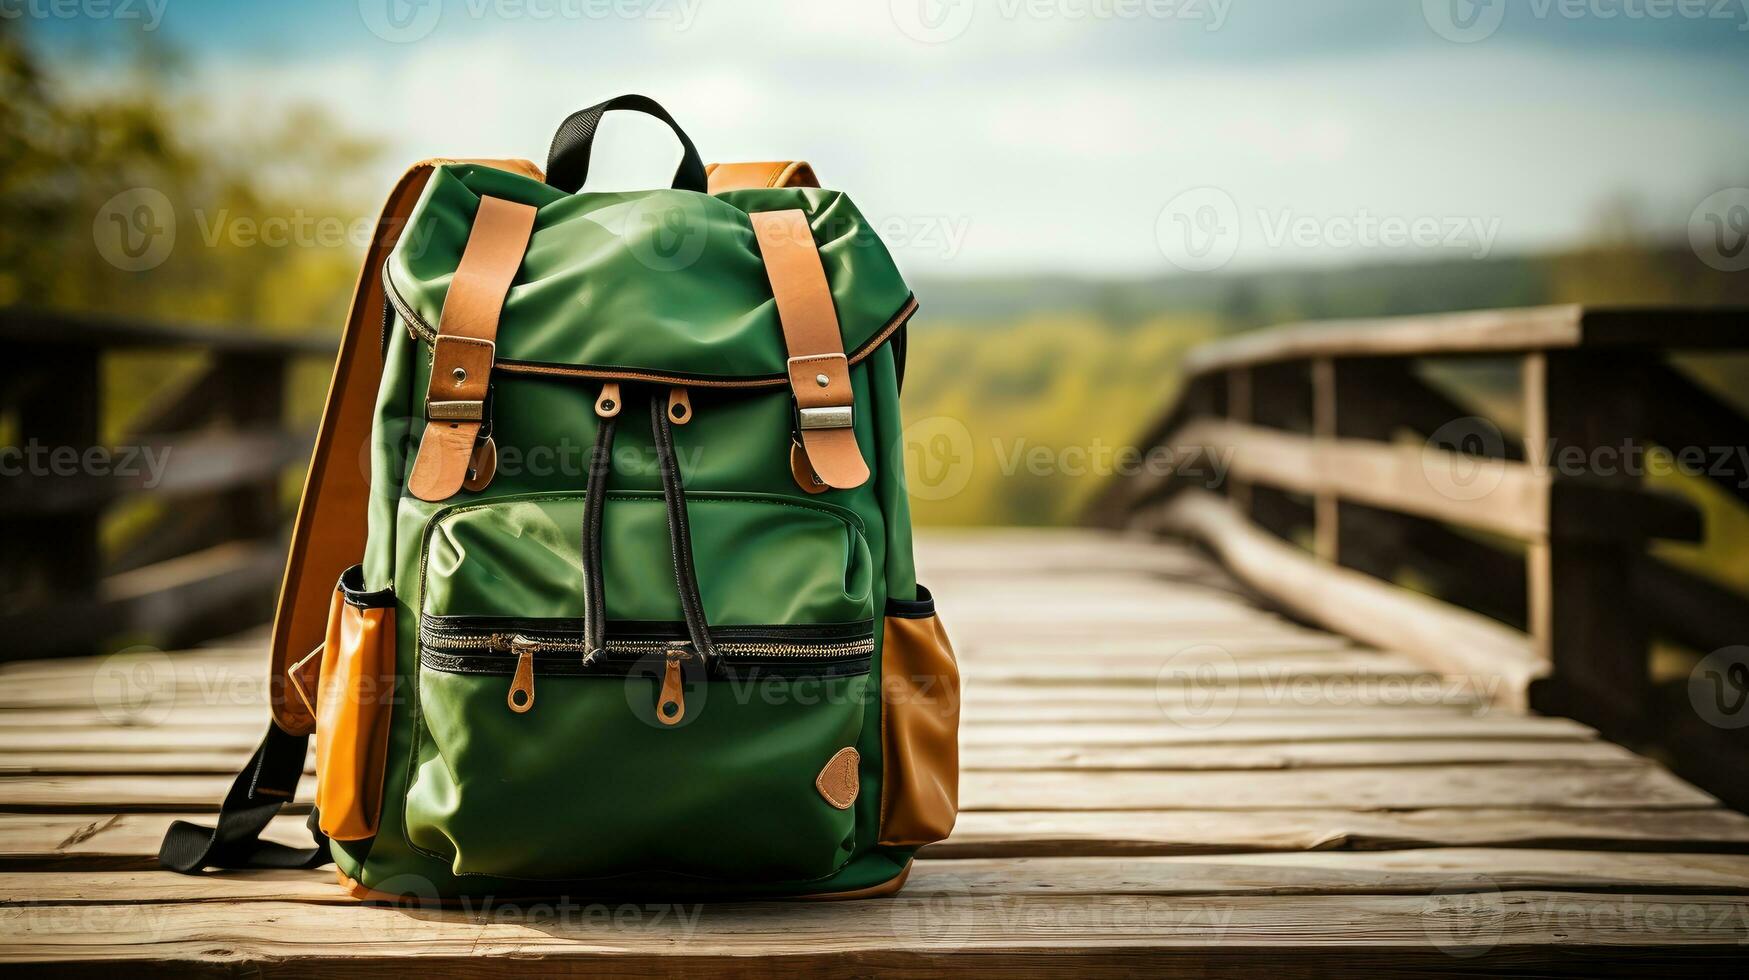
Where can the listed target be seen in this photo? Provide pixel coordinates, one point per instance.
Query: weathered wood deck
(1160, 775)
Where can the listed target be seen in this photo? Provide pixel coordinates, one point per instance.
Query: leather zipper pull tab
(671, 703)
(521, 696)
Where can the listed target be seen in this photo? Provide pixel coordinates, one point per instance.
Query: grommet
(608, 403)
(460, 375)
(679, 406)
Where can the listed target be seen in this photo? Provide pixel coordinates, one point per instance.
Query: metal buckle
(825, 417)
(456, 411)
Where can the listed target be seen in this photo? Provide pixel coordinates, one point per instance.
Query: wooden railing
(212, 457)
(1504, 537)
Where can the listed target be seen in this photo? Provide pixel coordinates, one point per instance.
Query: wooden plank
(1709, 830)
(1361, 788)
(1314, 873)
(1407, 787)
(1478, 332)
(1450, 640)
(1263, 755)
(42, 327)
(1494, 495)
(918, 932)
(130, 841)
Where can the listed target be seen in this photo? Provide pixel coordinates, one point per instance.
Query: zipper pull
(671, 703)
(521, 696)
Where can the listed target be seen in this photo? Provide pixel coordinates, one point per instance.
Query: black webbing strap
(264, 786)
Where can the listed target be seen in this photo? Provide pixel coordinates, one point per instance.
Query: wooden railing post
(59, 401)
(1239, 408)
(1581, 409)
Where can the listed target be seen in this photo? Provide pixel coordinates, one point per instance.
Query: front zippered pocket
(534, 761)
(525, 649)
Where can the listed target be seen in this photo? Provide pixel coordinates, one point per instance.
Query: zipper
(523, 651)
(420, 330)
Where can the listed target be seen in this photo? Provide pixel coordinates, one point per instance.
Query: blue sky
(1002, 136)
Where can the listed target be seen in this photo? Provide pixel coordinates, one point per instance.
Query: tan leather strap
(328, 535)
(819, 373)
(462, 354)
(770, 173)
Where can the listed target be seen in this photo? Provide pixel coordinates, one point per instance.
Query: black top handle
(568, 160)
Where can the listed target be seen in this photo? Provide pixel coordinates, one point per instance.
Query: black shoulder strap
(264, 786)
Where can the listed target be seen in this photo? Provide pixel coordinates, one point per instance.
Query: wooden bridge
(1169, 764)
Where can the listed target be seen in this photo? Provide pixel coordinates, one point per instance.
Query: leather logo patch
(838, 782)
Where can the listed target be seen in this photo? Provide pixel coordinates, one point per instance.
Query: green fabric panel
(761, 559)
(660, 280)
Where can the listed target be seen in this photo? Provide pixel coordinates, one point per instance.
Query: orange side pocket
(920, 719)
(356, 691)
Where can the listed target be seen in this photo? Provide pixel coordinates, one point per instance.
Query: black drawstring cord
(679, 536)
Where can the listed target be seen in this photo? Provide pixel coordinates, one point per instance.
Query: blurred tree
(116, 200)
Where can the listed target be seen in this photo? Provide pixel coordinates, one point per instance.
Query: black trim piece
(594, 500)
(921, 607)
(388, 325)
(352, 590)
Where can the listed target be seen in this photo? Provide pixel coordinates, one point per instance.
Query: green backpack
(612, 487)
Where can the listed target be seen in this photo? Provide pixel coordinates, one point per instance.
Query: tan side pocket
(352, 708)
(920, 720)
